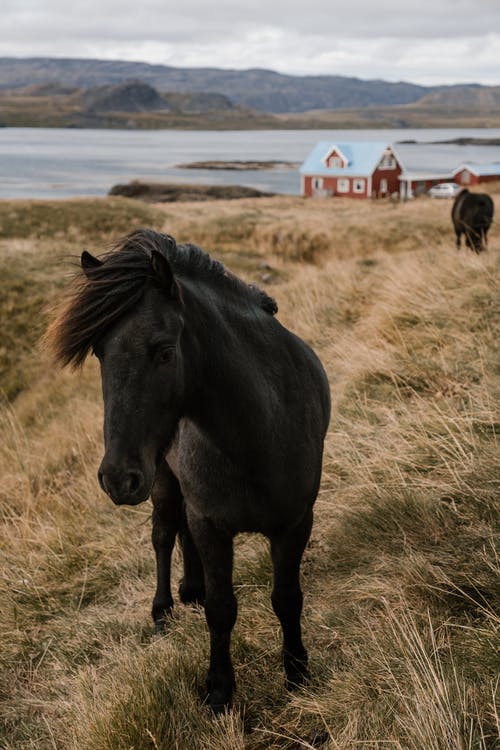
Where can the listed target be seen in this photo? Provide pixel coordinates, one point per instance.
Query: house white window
(343, 185)
(387, 161)
(335, 162)
(359, 186)
(335, 159)
(317, 183)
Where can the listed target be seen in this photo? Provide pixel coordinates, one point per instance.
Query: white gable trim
(468, 167)
(388, 152)
(335, 148)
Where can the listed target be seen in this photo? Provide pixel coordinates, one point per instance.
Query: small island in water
(239, 165)
(462, 141)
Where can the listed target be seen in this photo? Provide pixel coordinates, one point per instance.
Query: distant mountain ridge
(259, 89)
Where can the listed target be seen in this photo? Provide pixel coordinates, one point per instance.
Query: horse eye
(165, 355)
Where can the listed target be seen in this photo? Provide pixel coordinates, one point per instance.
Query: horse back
(472, 209)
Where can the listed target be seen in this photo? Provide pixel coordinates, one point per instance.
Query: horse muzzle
(125, 486)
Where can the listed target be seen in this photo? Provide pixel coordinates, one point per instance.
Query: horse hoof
(161, 618)
(192, 594)
(220, 688)
(160, 626)
(296, 681)
(219, 701)
(297, 673)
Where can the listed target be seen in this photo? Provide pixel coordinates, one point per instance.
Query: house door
(383, 186)
(317, 186)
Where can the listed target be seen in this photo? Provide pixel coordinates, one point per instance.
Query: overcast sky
(422, 41)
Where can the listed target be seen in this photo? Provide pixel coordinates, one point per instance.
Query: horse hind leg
(484, 240)
(286, 552)
(192, 584)
(477, 241)
(167, 507)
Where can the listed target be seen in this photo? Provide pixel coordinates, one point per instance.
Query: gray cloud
(427, 41)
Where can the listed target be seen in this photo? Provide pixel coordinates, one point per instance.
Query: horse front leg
(287, 549)
(216, 552)
(167, 508)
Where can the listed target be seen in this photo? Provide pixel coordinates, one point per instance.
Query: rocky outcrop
(156, 192)
(130, 96)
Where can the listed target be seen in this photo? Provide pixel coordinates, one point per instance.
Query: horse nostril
(134, 481)
(101, 476)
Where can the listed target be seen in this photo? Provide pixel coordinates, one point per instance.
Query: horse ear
(164, 275)
(89, 262)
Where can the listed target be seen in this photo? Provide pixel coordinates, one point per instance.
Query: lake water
(60, 163)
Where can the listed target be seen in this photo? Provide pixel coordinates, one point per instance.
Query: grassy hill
(401, 576)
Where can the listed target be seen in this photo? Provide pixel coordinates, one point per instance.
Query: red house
(413, 184)
(473, 174)
(362, 169)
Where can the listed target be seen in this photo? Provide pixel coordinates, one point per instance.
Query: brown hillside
(463, 97)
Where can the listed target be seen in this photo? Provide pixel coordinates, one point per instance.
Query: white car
(445, 190)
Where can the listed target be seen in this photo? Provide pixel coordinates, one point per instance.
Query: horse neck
(226, 342)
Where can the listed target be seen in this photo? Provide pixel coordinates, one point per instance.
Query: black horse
(213, 409)
(472, 214)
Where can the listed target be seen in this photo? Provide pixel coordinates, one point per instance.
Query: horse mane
(105, 292)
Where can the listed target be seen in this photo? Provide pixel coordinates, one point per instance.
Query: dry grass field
(401, 576)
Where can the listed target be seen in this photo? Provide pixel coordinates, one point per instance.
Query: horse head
(141, 370)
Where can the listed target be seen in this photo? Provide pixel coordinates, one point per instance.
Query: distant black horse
(215, 410)
(472, 214)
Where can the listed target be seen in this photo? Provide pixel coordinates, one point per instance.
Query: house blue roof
(363, 157)
(482, 170)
